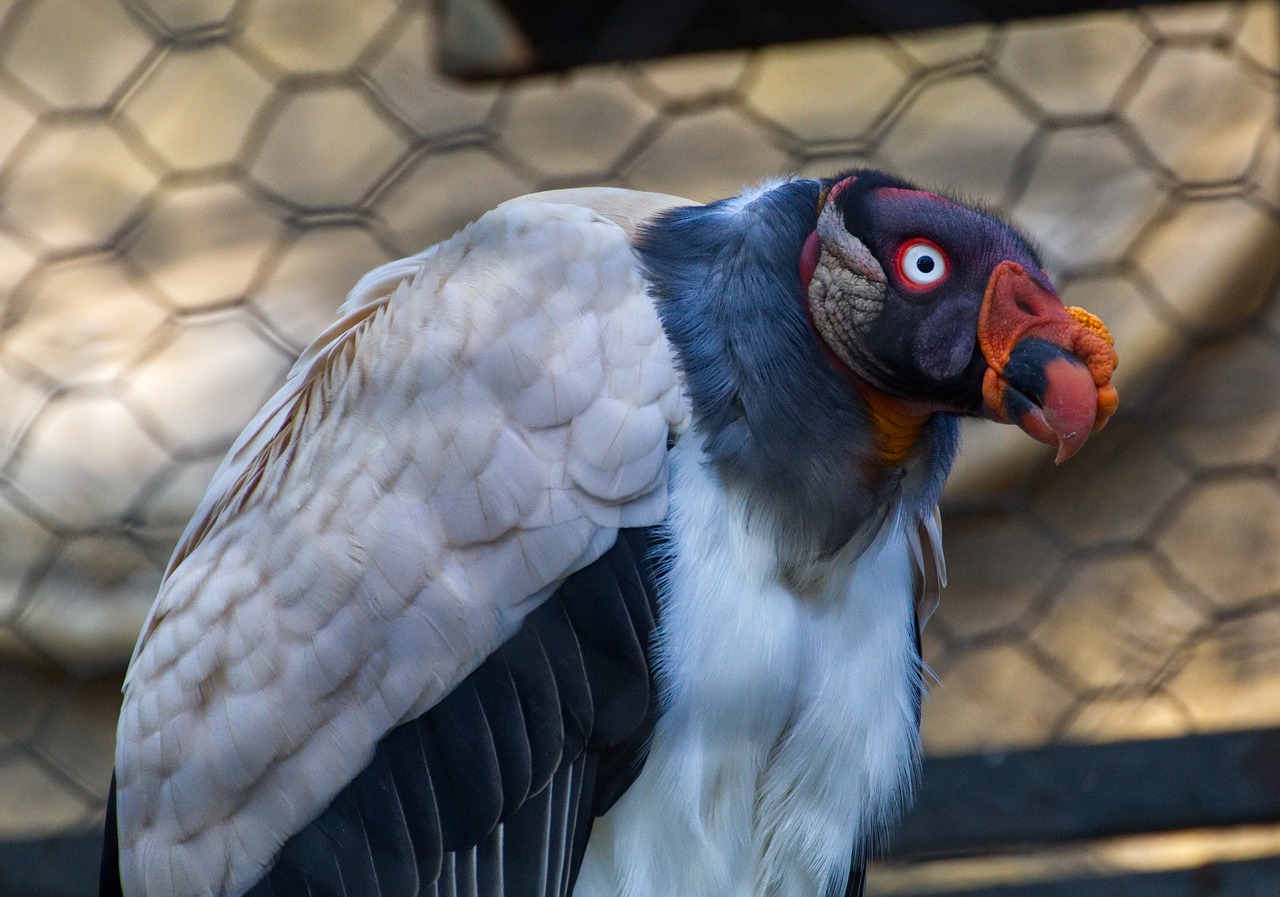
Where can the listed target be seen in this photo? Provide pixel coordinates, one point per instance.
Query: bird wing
(493, 791)
(478, 425)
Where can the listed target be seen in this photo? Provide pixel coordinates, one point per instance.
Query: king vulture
(585, 553)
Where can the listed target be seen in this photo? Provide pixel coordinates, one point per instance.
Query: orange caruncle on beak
(1048, 367)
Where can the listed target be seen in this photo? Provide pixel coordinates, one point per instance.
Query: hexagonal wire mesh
(188, 187)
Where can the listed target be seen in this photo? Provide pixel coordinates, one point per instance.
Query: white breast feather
(477, 426)
(788, 733)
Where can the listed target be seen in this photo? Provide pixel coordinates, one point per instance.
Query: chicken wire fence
(188, 188)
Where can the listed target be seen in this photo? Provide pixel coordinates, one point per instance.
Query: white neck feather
(788, 735)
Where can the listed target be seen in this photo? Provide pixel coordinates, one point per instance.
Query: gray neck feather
(781, 424)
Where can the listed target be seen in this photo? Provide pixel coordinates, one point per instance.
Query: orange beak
(1048, 367)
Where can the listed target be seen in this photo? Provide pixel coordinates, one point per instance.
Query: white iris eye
(922, 263)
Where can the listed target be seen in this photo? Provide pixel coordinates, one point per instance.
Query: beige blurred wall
(188, 187)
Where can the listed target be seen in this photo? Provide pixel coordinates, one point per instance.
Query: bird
(587, 553)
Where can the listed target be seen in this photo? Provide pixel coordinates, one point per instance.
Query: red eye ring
(921, 264)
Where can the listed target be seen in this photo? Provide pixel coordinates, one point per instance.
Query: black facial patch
(1024, 371)
(937, 351)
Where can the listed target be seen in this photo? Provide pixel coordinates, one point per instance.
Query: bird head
(929, 305)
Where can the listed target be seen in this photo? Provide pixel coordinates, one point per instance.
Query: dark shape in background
(978, 805)
(554, 35)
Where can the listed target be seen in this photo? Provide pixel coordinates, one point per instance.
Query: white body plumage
(788, 731)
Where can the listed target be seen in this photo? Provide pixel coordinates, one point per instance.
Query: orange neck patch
(897, 425)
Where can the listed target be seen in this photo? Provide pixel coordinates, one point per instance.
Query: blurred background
(189, 187)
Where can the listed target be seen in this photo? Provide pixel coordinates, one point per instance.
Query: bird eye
(922, 262)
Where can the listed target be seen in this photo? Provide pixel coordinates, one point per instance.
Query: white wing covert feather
(477, 426)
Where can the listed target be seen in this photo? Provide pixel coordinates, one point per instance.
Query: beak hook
(1048, 367)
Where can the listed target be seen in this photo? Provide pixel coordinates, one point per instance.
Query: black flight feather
(494, 789)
